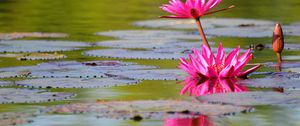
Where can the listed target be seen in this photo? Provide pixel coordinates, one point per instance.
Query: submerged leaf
(12, 95)
(6, 83)
(40, 46)
(157, 54)
(91, 69)
(149, 109)
(272, 82)
(18, 35)
(158, 74)
(75, 82)
(252, 32)
(15, 118)
(289, 98)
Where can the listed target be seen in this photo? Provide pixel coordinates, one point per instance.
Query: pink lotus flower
(207, 65)
(189, 9)
(202, 120)
(193, 9)
(198, 87)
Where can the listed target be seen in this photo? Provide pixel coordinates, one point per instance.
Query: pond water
(81, 20)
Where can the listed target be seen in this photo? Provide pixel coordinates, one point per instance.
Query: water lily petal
(200, 62)
(227, 72)
(183, 10)
(190, 3)
(211, 73)
(179, 7)
(245, 73)
(187, 67)
(227, 84)
(210, 4)
(220, 58)
(207, 54)
(174, 16)
(173, 10)
(245, 56)
(186, 87)
(231, 55)
(243, 63)
(197, 66)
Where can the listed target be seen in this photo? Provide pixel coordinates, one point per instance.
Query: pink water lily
(189, 9)
(192, 9)
(207, 65)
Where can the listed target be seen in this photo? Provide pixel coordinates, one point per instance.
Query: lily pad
(91, 69)
(131, 54)
(102, 64)
(207, 23)
(289, 75)
(284, 64)
(108, 65)
(148, 44)
(272, 82)
(5, 83)
(188, 50)
(157, 54)
(292, 30)
(295, 24)
(51, 69)
(15, 118)
(18, 35)
(75, 82)
(11, 55)
(60, 64)
(12, 95)
(158, 74)
(280, 76)
(40, 46)
(90, 119)
(151, 109)
(150, 34)
(286, 46)
(297, 69)
(75, 120)
(254, 98)
(251, 32)
(84, 71)
(42, 56)
(66, 73)
(291, 57)
(6, 74)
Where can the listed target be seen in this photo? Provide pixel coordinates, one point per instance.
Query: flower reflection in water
(202, 120)
(199, 86)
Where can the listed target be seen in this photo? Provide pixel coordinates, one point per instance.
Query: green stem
(201, 32)
(279, 57)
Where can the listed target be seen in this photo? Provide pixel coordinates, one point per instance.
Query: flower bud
(278, 39)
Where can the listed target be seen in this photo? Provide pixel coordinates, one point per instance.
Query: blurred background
(83, 18)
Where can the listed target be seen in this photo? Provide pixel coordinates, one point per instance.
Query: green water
(82, 18)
